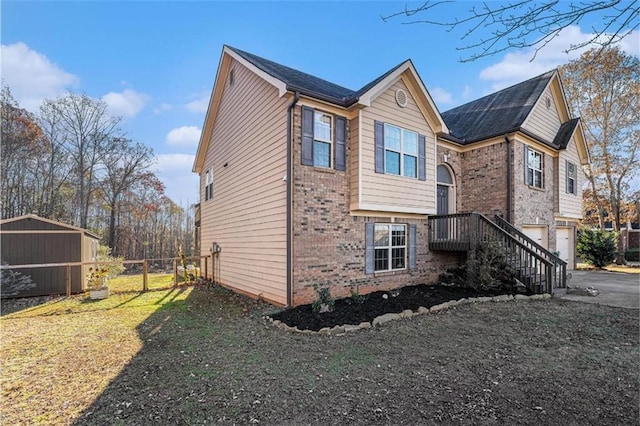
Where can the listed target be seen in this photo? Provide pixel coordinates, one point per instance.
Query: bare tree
(125, 164)
(86, 128)
(527, 23)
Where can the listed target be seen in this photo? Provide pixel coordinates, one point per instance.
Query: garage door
(537, 234)
(564, 244)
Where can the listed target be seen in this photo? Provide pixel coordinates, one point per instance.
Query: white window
(400, 151)
(572, 178)
(322, 139)
(208, 184)
(390, 247)
(534, 168)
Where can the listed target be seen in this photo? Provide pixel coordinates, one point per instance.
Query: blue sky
(154, 63)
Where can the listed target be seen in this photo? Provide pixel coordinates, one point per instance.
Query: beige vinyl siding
(247, 215)
(352, 157)
(543, 121)
(569, 205)
(384, 191)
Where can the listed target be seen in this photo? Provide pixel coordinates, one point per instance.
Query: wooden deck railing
(535, 267)
(560, 265)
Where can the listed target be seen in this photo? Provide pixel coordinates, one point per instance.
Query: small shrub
(324, 302)
(488, 271)
(632, 255)
(597, 247)
(13, 282)
(356, 297)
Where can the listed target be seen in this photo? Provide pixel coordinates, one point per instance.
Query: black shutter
(379, 142)
(422, 175)
(341, 144)
(412, 247)
(369, 258)
(307, 136)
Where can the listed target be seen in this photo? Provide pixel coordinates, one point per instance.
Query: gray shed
(31, 239)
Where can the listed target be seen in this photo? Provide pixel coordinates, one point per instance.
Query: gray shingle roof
(308, 84)
(564, 133)
(497, 113)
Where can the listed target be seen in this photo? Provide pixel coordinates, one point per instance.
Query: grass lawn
(204, 355)
(627, 269)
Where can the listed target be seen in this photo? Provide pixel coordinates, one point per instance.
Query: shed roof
(36, 223)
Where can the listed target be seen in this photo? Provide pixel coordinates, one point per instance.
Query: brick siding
(329, 243)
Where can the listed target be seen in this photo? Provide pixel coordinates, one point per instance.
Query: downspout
(509, 189)
(290, 196)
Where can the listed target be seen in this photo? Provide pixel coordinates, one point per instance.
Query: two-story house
(305, 183)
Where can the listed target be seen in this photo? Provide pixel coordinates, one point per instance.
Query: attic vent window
(548, 102)
(401, 98)
(232, 77)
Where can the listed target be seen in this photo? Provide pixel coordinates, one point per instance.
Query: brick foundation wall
(329, 243)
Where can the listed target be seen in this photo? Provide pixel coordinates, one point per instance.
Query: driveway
(616, 288)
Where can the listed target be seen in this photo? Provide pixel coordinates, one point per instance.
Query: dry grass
(627, 269)
(60, 356)
(204, 355)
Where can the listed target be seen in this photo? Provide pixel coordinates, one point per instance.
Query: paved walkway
(616, 288)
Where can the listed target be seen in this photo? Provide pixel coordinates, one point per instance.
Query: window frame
(208, 184)
(402, 151)
(569, 178)
(390, 247)
(330, 141)
(531, 177)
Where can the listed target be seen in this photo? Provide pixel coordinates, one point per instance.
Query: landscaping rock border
(407, 313)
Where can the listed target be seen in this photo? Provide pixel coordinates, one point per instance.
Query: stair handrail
(558, 263)
(549, 265)
(501, 222)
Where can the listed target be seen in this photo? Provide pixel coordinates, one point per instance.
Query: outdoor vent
(548, 102)
(401, 98)
(232, 77)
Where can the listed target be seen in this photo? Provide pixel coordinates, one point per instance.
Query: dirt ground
(212, 358)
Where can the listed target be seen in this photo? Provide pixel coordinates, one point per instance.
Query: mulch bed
(366, 308)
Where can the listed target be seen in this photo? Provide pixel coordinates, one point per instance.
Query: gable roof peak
(296, 80)
(497, 113)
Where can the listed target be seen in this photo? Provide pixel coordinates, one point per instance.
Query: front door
(442, 208)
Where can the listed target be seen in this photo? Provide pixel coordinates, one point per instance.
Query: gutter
(293, 103)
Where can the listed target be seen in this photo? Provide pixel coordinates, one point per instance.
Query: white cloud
(441, 96)
(163, 107)
(31, 76)
(519, 66)
(199, 105)
(186, 136)
(181, 184)
(467, 93)
(127, 103)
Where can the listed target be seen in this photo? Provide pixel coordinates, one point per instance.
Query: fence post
(145, 282)
(68, 279)
(206, 270)
(175, 273)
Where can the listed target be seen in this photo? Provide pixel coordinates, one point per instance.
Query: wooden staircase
(536, 268)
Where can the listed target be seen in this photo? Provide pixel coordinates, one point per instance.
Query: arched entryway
(446, 203)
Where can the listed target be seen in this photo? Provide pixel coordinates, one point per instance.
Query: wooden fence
(176, 262)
